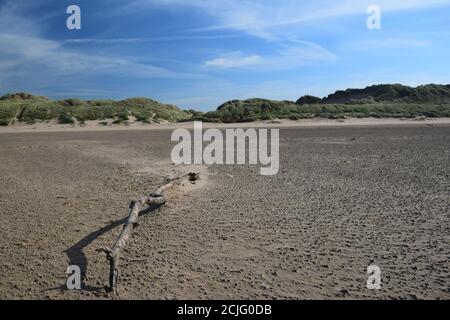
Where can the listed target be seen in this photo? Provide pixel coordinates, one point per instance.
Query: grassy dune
(30, 109)
(378, 101)
(259, 109)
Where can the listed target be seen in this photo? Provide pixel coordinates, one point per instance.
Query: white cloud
(298, 54)
(234, 60)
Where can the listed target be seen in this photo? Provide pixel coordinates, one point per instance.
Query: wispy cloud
(263, 18)
(82, 92)
(150, 39)
(302, 53)
(25, 52)
(234, 60)
(31, 52)
(386, 43)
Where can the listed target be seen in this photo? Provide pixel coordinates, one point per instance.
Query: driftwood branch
(137, 206)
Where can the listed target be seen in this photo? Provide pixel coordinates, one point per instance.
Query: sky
(201, 53)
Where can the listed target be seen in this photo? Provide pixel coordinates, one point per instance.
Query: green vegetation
(308, 100)
(30, 109)
(379, 101)
(257, 109)
(65, 118)
(7, 113)
(395, 93)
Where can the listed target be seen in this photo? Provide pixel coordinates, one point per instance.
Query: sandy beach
(54, 126)
(348, 194)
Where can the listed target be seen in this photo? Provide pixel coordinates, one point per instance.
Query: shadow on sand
(77, 256)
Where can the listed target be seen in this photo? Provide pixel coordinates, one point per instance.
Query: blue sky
(201, 53)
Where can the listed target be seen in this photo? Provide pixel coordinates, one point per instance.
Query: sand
(347, 196)
(53, 126)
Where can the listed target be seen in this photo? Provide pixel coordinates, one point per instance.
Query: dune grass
(31, 109)
(379, 101)
(258, 109)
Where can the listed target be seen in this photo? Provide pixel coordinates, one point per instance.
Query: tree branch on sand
(137, 206)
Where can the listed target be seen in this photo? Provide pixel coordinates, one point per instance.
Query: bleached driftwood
(137, 206)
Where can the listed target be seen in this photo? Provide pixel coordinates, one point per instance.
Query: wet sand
(345, 197)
